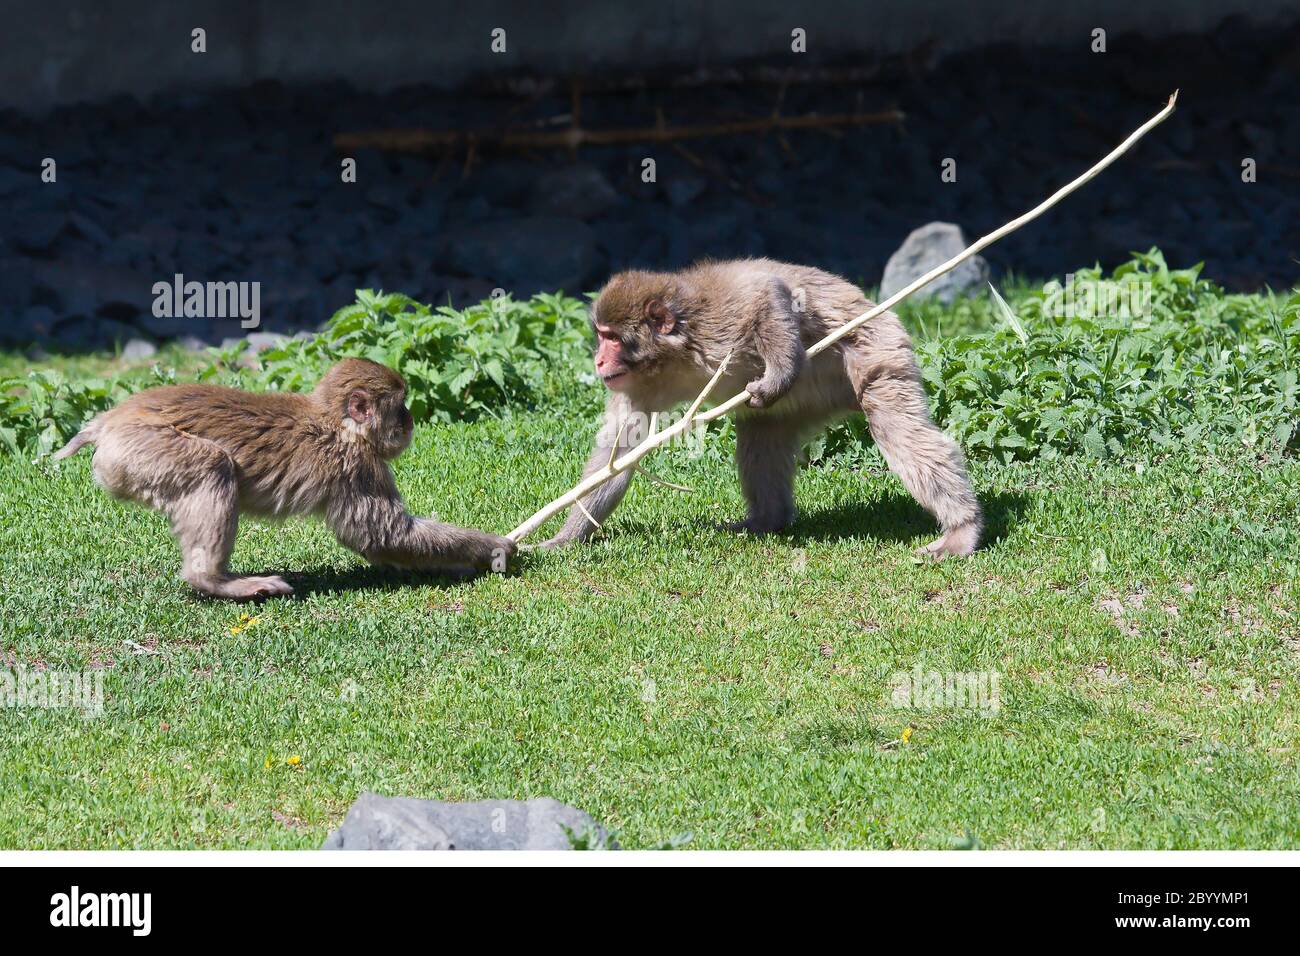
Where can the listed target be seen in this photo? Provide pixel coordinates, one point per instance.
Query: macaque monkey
(201, 454)
(660, 336)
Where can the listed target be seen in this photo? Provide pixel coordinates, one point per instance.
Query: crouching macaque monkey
(660, 336)
(201, 454)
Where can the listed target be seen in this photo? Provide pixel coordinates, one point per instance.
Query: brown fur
(201, 454)
(661, 335)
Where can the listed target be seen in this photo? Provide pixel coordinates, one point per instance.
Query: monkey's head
(640, 329)
(368, 398)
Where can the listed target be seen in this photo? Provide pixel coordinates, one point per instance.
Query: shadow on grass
(895, 516)
(364, 577)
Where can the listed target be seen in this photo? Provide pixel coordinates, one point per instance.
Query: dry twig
(434, 140)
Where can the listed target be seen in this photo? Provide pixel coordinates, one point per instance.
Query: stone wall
(63, 52)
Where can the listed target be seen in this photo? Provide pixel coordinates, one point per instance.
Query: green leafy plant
(458, 363)
(1142, 361)
(1131, 364)
(40, 412)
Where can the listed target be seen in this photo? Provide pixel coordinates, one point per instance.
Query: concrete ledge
(69, 52)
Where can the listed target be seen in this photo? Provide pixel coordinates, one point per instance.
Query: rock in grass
(403, 823)
(138, 349)
(925, 248)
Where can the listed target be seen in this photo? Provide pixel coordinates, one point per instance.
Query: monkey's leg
(766, 455)
(928, 462)
(205, 517)
(623, 428)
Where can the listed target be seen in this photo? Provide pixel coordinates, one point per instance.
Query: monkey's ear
(359, 408)
(660, 316)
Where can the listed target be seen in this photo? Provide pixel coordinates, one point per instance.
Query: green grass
(670, 678)
(1137, 598)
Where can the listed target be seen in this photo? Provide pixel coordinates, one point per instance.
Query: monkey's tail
(84, 437)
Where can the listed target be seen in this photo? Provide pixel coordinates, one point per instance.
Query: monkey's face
(638, 334)
(385, 419)
(396, 426)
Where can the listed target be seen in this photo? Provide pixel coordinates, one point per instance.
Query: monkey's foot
(249, 588)
(956, 543)
(754, 526)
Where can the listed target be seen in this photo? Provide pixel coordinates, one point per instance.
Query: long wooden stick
(431, 140)
(629, 459)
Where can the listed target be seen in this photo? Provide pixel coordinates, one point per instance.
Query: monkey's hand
(763, 392)
(433, 545)
(488, 552)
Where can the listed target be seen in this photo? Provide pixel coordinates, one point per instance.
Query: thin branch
(663, 481)
(583, 509)
(704, 76)
(618, 440)
(708, 389)
(596, 479)
(433, 140)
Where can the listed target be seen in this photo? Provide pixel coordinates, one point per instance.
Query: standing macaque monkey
(660, 336)
(201, 454)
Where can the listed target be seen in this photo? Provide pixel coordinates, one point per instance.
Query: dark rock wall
(244, 184)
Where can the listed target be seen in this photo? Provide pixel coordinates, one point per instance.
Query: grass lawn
(673, 679)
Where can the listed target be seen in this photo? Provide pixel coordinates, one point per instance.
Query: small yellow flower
(907, 734)
(267, 765)
(245, 622)
(294, 760)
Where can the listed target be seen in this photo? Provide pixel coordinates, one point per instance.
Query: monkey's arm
(622, 429)
(379, 528)
(779, 345)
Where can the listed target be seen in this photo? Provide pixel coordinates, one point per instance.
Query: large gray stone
(403, 823)
(925, 248)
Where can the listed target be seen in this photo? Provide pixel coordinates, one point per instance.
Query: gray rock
(402, 823)
(12, 181)
(17, 284)
(35, 323)
(89, 229)
(40, 231)
(261, 341)
(460, 292)
(683, 190)
(925, 248)
(524, 256)
(137, 349)
(582, 192)
(83, 287)
(387, 196)
(171, 327)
